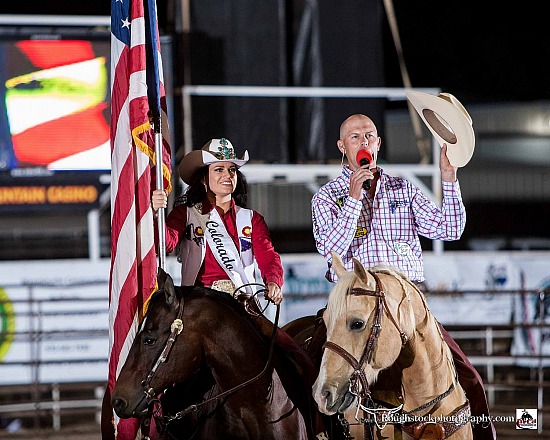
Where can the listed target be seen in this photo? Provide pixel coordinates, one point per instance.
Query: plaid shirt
(383, 230)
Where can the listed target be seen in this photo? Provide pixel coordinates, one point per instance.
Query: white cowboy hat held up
(449, 123)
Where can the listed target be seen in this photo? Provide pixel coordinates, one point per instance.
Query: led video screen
(54, 104)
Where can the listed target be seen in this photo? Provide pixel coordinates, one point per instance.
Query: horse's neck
(235, 352)
(429, 374)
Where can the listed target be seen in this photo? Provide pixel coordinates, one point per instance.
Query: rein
(197, 406)
(433, 401)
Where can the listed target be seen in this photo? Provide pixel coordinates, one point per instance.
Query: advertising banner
(50, 191)
(54, 314)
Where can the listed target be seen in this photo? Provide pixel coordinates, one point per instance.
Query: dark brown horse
(233, 376)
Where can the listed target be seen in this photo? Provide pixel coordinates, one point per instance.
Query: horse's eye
(357, 324)
(148, 340)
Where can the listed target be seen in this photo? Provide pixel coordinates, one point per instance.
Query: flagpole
(160, 185)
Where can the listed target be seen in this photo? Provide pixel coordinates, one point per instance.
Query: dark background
(480, 51)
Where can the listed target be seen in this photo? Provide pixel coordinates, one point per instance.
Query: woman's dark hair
(196, 192)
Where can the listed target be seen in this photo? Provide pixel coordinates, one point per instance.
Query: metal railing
(52, 319)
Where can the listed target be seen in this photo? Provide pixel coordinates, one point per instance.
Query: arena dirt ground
(84, 431)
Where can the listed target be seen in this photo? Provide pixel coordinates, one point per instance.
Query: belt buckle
(226, 286)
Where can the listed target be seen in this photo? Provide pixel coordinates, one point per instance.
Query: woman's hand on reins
(274, 293)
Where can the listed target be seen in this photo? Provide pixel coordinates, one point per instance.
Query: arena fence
(54, 349)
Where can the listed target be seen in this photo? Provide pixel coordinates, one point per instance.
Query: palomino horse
(204, 337)
(385, 354)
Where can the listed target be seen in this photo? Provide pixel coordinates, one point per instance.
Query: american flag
(136, 94)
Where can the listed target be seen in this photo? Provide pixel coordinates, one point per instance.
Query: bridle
(365, 401)
(150, 395)
(363, 393)
(175, 329)
(358, 375)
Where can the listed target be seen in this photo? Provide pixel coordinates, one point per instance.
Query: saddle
(441, 430)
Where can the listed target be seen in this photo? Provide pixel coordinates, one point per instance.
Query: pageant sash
(224, 249)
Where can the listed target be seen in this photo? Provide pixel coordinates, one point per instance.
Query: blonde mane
(338, 298)
(431, 321)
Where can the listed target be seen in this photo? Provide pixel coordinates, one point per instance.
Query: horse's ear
(161, 277)
(166, 283)
(170, 291)
(337, 264)
(360, 271)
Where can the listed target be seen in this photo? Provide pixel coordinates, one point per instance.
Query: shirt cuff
(451, 189)
(352, 207)
(274, 279)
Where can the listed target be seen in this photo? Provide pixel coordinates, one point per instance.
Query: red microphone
(364, 158)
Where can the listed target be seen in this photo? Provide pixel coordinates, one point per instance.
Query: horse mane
(381, 268)
(219, 296)
(346, 281)
(339, 294)
(226, 300)
(405, 282)
(184, 292)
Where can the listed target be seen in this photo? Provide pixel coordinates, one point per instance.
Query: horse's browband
(360, 291)
(379, 293)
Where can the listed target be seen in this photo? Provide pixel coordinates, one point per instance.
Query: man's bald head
(353, 119)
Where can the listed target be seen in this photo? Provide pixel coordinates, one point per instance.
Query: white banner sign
(66, 302)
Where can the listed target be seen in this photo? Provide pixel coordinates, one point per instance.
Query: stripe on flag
(133, 257)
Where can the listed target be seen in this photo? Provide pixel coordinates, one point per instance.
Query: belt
(248, 301)
(226, 286)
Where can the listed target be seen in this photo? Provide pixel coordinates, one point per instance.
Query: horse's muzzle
(122, 407)
(331, 400)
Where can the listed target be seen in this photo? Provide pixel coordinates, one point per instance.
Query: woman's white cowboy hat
(449, 122)
(215, 150)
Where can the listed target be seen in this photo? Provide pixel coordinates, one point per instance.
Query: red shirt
(269, 261)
